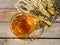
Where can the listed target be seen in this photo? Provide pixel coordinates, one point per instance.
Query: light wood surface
(53, 31)
(7, 14)
(7, 10)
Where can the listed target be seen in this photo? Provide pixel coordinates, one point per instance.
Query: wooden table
(7, 10)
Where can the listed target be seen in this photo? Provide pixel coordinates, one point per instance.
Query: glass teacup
(23, 24)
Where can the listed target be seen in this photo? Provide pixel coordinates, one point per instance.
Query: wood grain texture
(7, 13)
(7, 3)
(53, 31)
(35, 42)
(8, 10)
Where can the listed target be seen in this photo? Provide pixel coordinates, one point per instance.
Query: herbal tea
(22, 24)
